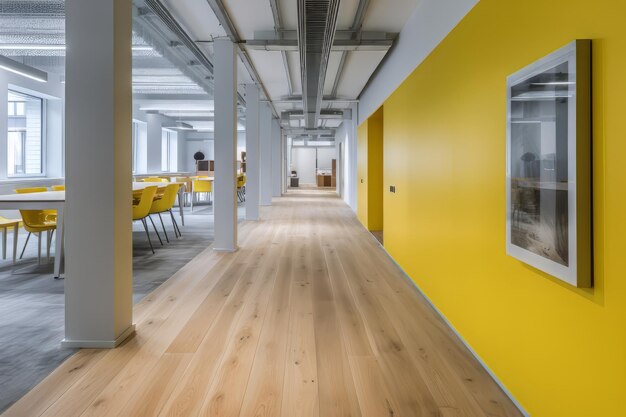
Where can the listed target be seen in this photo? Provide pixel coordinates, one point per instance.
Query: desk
(51, 200)
(55, 200)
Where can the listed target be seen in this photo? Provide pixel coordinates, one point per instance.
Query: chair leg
(155, 230)
(16, 228)
(48, 238)
(145, 227)
(39, 248)
(4, 242)
(175, 224)
(167, 239)
(25, 243)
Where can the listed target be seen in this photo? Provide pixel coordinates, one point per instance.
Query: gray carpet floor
(32, 302)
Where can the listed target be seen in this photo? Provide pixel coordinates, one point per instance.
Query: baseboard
(461, 338)
(226, 250)
(99, 344)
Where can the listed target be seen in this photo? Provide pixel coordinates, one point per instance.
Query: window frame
(43, 152)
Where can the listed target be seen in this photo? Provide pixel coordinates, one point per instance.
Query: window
(136, 131)
(169, 151)
(25, 135)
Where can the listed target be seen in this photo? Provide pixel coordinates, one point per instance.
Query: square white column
(252, 152)
(154, 135)
(266, 155)
(225, 205)
(98, 211)
(277, 157)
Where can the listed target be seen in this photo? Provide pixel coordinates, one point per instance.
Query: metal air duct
(317, 22)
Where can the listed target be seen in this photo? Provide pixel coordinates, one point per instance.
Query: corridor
(308, 318)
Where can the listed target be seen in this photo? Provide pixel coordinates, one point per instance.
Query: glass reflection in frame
(548, 180)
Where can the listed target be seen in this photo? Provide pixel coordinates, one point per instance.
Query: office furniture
(5, 224)
(201, 186)
(164, 205)
(142, 210)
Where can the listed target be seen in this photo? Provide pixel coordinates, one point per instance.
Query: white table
(55, 200)
(51, 200)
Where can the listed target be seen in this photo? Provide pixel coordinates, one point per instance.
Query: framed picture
(548, 165)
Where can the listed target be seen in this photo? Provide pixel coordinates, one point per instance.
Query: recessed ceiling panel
(347, 11)
(294, 68)
(196, 17)
(357, 71)
(250, 16)
(331, 73)
(384, 15)
(271, 70)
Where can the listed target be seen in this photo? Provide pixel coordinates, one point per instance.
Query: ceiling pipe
(317, 23)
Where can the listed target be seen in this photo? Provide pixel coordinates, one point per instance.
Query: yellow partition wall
(370, 172)
(559, 350)
(361, 173)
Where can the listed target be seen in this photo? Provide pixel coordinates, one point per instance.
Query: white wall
(303, 162)
(325, 158)
(203, 141)
(346, 134)
(430, 23)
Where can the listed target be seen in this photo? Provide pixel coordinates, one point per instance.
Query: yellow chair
(241, 187)
(58, 188)
(4, 226)
(201, 186)
(37, 221)
(164, 205)
(142, 210)
(154, 179)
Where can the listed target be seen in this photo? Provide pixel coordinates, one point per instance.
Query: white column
(4, 124)
(225, 205)
(277, 154)
(252, 152)
(153, 149)
(266, 155)
(98, 285)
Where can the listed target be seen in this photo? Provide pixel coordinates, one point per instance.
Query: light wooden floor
(309, 318)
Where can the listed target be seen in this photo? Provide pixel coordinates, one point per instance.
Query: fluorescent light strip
(175, 110)
(47, 47)
(23, 70)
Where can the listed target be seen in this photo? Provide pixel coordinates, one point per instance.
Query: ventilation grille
(317, 22)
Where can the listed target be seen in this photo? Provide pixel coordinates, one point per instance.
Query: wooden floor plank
(309, 318)
(300, 397)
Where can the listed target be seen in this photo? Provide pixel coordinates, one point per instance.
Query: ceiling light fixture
(23, 69)
(58, 47)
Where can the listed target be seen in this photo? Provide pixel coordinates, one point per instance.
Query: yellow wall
(361, 186)
(370, 172)
(558, 349)
(375, 170)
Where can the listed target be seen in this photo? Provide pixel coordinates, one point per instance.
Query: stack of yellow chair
(38, 221)
(241, 187)
(4, 226)
(165, 205)
(201, 186)
(154, 179)
(141, 210)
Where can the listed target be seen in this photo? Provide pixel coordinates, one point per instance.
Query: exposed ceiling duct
(317, 22)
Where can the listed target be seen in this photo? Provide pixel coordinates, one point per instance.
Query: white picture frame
(548, 164)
